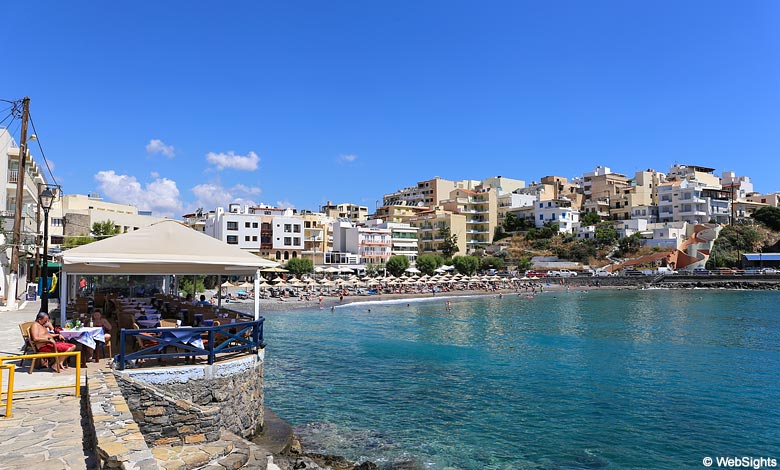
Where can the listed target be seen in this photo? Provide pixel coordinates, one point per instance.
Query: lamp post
(46, 198)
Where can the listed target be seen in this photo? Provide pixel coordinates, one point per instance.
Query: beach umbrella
(227, 284)
(412, 270)
(292, 279)
(277, 279)
(264, 285)
(331, 270)
(298, 283)
(275, 269)
(246, 285)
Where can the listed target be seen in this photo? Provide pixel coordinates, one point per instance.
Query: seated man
(47, 342)
(203, 300)
(98, 320)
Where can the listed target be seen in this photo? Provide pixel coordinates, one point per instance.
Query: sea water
(653, 379)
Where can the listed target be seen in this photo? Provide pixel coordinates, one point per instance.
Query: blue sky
(178, 104)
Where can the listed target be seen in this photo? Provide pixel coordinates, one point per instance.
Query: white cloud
(161, 196)
(212, 195)
(348, 158)
(231, 160)
(285, 204)
(156, 146)
(154, 174)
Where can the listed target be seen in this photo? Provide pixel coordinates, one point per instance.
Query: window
(254, 224)
(232, 240)
(297, 241)
(246, 224)
(541, 216)
(287, 241)
(297, 228)
(254, 238)
(307, 224)
(287, 228)
(246, 238)
(232, 225)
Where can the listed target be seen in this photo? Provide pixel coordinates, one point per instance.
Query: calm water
(609, 379)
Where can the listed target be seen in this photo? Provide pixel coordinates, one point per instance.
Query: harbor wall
(193, 404)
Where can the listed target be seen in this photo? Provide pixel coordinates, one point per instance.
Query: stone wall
(193, 403)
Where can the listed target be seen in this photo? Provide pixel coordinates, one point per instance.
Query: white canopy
(167, 247)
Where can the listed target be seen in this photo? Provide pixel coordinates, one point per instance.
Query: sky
(177, 105)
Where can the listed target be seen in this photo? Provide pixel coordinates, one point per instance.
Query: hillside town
(677, 213)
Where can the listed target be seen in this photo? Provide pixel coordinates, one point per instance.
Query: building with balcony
(692, 201)
(288, 236)
(30, 218)
(353, 212)
(236, 226)
(602, 183)
(641, 192)
(427, 193)
(398, 212)
(430, 224)
(404, 238)
(558, 211)
(372, 244)
(316, 233)
(481, 211)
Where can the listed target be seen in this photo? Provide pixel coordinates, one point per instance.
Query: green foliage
(499, 234)
(605, 234)
(512, 223)
(591, 218)
(731, 242)
(104, 229)
(577, 250)
(467, 265)
(429, 263)
(548, 231)
(541, 244)
(73, 242)
(769, 216)
(397, 264)
(629, 245)
(300, 266)
(492, 262)
(373, 270)
(524, 264)
(450, 244)
(185, 284)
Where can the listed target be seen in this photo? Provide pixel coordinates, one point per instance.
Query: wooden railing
(161, 343)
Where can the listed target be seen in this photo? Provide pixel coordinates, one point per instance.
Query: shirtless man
(47, 342)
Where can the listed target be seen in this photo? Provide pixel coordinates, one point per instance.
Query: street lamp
(45, 200)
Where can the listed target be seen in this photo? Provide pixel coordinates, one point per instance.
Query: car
(754, 271)
(536, 274)
(633, 272)
(562, 273)
(701, 272)
(601, 273)
(770, 271)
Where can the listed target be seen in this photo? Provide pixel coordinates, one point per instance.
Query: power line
(40, 147)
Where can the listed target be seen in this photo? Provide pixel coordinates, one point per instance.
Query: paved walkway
(45, 430)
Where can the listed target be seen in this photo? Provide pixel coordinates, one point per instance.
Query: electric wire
(40, 147)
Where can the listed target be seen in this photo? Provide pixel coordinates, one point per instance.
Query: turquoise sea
(655, 379)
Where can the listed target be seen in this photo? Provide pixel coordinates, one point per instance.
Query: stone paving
(44, 433)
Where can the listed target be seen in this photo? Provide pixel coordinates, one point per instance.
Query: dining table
(86, 336)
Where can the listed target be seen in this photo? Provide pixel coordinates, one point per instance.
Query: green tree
(73, 242)
(450, 244)
(397, 264)
(492, 262)
(629, 245)
(605, 234)
(769, 216)
(591, 218)
(429, 263)
(524, 264)
(300, 266)
(185, 284)
(104, 229)
(467, 265)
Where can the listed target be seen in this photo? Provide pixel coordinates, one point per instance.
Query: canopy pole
(63, 296)
(219, 291)
(257, 294)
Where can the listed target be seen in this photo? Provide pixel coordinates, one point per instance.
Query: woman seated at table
(98, 320)
(47, 342)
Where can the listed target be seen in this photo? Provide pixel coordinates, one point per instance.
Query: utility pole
(17, 233)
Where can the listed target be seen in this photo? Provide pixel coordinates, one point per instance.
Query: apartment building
(693, 194)
(558, 211)
(372, 244)
(288, 236)
(602, 183)
(481, 211)
(427, 193)
(510, 201)
(431, 222)
(640, 193)
(404, 238)
(353, 212)
(398, 212)
(770, 199)
(316, 232)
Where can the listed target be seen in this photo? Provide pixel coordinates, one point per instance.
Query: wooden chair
(167, 323)
(34, 345)
(28, 346)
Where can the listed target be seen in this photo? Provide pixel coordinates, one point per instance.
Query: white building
(288, 236)
(667, 235)
(403, 237)
(372, 244)
(557, 211)
(692, 201)
(235, 227)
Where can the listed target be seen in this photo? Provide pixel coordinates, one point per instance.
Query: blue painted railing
(233, 337)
